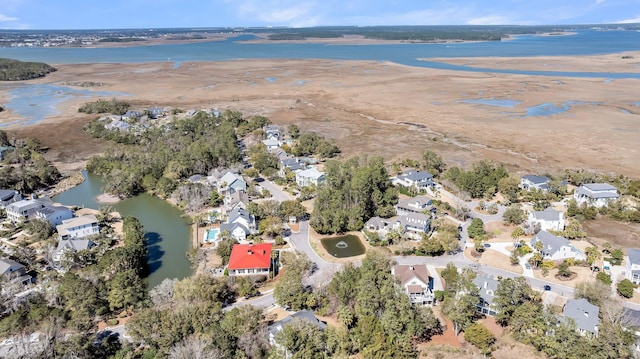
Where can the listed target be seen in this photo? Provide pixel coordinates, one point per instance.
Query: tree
(290, 291)
(509, 187)
(513, 215)
(301, 340)
(517, 233)
(292, 209)
(617, 254)
(433, 163)
(573, 230)
(225, 245)
(270, 226)
(563, 269)
(294, 131)
(476, 228)
(481, 337)
(593, 254)
(604, 278)
(509, 295)
(595, 292)
(625, 288)
(126, 289)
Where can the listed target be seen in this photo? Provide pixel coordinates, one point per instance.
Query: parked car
(547, 287)
(487, 245)
(527, 265)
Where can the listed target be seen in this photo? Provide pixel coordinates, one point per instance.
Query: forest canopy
(14, 70)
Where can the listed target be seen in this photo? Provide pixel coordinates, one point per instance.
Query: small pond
(343, 246)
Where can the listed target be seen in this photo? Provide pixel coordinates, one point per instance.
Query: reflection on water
(343, 246)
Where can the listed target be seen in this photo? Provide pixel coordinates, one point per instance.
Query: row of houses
(411, 219)
(592, 194)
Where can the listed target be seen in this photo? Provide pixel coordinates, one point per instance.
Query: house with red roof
(250, 259)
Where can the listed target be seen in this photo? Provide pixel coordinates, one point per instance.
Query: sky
(110, 14)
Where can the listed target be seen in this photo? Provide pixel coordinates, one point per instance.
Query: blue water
(37, 101)
(212, 235)
(493, 102)
(271, 79)
(587, 42)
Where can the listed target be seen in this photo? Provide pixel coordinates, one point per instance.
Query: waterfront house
(70, 246)
(53, 214)
(9, 267)
(595, 194)
(584, 314)
(309, 177)
(8, 196)
(534, 182)
(556, 248)
(549, 219)
(78, 227)
(633, 265)
(487, 286)
(250, 259)
(240, 224)
(413, 178)
(23, 210)
(416, 282)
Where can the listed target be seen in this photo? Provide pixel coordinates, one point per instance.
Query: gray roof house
(240, 224)
(549, 219)
(238, 198)
(78, 227)
(413, 178)
(417, 204)
(487, 286)
(416, 282)
(414, 224)
(8, 196)
(584, 314)
(305, 315)
(596, 194)
(231, 182)
(271, 143)
(9, 266)
(70, 246)
(376, 224)
(556, 248)
(54, 214)
(272, 131)
(292, 164)
(633, 265)
(534, 182)
(23, 210)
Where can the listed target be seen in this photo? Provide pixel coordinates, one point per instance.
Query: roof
(583, 313)
(415, 203)
(376, 222)
(75, 244)
(415, 289)
(305, 315)
(229, 178)
(310, 173)
(75, 222)
(7, 194)
(549, 215)
(595, 187)
(47, 210)
(535, 179)
(238, 213)
(250, 256)
(416, 175)
(24, 204)
(550, 242)
(634, 255)
(196, 178)
(405, 273)
(415, 220)
(6, 263)
(270, 142)
(487, 286)
(238, 196)
(231, 227)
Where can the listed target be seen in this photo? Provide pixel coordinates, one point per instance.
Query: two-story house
(240, 224)
(414, 178)
(556, 248)
(487, 286)
(596, 194)
(78, 227)
(416, 282)
(417, 204)
(584, 314)
(231, 182)
(414, 225)
(54, 214)
(309, 177)
(534, 182)
(549, 219)
(633, 265)
(23, 210)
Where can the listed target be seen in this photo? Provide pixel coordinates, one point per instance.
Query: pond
(343, 246)
(168, 233)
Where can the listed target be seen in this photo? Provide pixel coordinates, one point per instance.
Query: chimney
(249, 252)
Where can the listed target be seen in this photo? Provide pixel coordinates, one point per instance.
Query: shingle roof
(487, 286)
(75, 244)
(250, 256)
(535, 179)
(548, 214)
(634, 255)
(583, 313)
(599, 187)
(550, 242)
(305, 315)
(6, 194)
(416, 175)
(6, 263)
(405, 273)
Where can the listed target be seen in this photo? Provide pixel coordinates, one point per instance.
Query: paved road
(278, 194)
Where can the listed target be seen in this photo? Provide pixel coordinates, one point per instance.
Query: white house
(416, 282)
(78, 227)
(54, 214)
(8, 196)
(584, 314)
(272, 132)
(413, 178)
(633, 265)
(596, 194)
(556, 248)
(309, 177)
(417, 204)
(250, 259)
(534, 182)
(237, 198)
(487, 286)
(71, 246)
(549, 219)
(22, 210)
(240, 224)
(271, 143)
(413, 224)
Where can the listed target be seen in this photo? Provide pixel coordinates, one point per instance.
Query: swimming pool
(211, 235)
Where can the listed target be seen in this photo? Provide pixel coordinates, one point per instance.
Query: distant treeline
(113, 106)
(410, 33)
(121, 39)
(14, 70)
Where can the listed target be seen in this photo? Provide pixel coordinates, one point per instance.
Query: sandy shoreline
(383, 108)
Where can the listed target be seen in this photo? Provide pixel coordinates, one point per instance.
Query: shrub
(604, 278)
(625, 288)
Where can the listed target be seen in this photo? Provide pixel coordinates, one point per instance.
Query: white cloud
(630, 21)
(7, 18)
(600, 1)
(289, 13)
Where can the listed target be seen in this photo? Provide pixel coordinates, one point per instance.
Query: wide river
(584, 42)
(168, 233)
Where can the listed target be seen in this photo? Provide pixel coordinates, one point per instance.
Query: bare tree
(162, 294)
(194, 348)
